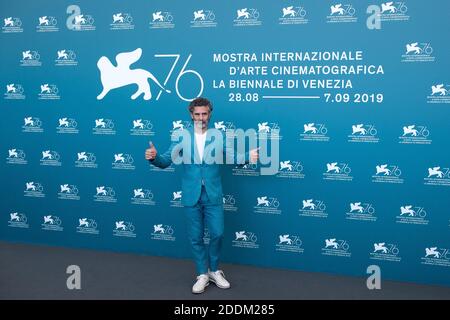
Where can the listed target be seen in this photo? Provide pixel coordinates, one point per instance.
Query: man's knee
(196, 237)
(216, 232)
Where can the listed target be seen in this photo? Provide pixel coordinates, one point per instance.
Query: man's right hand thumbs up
(150, 153)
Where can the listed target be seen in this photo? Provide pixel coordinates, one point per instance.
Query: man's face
(200, 116)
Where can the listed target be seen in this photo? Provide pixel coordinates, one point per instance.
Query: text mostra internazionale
(300, 63)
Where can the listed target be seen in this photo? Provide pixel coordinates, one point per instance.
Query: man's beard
(200, 124)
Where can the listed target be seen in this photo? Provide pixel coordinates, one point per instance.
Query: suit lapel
(208, 141)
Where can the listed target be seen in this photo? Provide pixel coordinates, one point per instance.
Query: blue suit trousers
(204, 213)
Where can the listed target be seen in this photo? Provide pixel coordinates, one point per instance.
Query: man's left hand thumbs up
(254, 155)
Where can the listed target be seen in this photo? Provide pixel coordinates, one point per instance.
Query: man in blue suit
(202, 188)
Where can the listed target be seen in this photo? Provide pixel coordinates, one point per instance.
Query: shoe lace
(219, 273)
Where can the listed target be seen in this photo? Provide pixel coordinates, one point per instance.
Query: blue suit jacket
(200, 172)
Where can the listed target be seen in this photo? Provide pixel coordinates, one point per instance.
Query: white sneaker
(201, 284)
(218, 277)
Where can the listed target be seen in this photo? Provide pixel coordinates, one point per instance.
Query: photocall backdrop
(359, 91)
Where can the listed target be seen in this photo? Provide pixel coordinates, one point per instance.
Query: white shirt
(200, 139)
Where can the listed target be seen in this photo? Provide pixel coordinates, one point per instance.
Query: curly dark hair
(200, 102)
